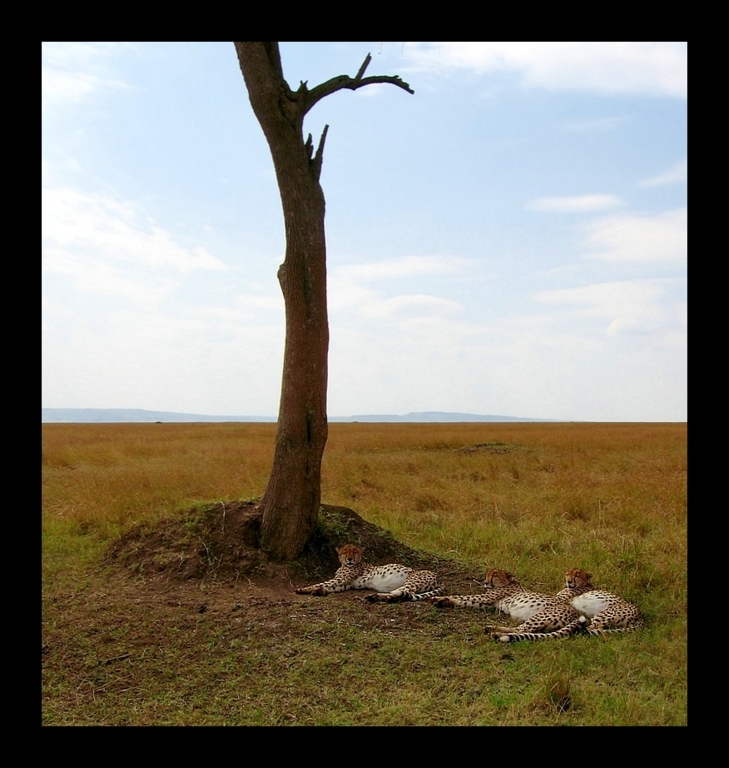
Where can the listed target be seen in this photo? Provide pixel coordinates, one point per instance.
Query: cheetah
(609, 613)
(392, 583)
(566, 616)
(499, 585)
(542, 616)
(505, 594)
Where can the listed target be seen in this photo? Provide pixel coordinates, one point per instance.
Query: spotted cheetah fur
(609, 613)
(505, 594)
(543, 616)
(578, 625)
(392, 583)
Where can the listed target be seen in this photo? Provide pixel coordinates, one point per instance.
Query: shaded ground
(220, 544)
(120, 652)
(179, 609)
(208, 561)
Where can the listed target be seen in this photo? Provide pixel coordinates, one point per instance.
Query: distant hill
(104, 415)
(122, 415)
(435, 416)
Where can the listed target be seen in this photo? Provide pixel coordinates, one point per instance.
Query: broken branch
(309, 98)
(364, 66)
(319, 156)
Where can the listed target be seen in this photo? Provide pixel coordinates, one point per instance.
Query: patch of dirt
(175, 601)
(221, 543)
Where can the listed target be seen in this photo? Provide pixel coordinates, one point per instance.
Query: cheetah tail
(599, 631)
(578, 625)
(438, 590)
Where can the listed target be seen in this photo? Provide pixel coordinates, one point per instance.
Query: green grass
(532, 498)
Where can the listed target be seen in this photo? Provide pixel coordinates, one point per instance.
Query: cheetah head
(497, 577)
(577, 577)
(350, 554)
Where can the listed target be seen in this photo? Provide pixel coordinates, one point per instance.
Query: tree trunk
(291, 501)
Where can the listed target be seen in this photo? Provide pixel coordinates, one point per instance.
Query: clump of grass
(558, 694)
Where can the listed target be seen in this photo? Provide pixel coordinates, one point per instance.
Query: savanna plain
(122, 646)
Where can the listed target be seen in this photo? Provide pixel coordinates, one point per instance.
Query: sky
(511, 239)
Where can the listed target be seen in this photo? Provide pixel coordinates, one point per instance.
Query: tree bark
(290, 504)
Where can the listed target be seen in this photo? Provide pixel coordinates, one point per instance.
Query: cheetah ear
(588, 576)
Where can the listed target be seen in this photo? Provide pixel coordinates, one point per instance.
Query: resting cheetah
(506, 595)
(554, 616)
(397, 582)
(499, 585)
(609, 613)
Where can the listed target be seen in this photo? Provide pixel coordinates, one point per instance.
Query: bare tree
(290, 504)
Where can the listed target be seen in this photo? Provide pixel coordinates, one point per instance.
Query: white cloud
(273, 302)
(345, 295)
(374, 89)
(599, 125)
(107, 248)
(55, 310)
(404, 267)
(605, 352)
(85, 224)
(577, 204)
(658, 68)
(99, 277)
(71, 72)
(411, 304)
(630, 305)
(81, 55)
(660, 239)
(348, 291)
(678, 172)
(60, 87)
(164, 360)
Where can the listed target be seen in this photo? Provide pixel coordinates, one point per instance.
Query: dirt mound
(221, 542)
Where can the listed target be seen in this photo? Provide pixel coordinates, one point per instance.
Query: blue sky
(511, 239)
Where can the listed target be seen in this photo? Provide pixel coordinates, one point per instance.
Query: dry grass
(533, 498)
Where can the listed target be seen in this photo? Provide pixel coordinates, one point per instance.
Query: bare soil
(210, 559)
(220, 543)
(180, 594)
